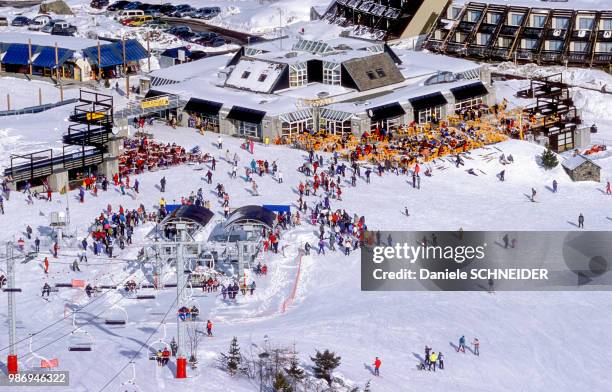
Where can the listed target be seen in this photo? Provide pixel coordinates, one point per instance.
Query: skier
(377, 363)
(506, 241)
(533, 194)
(502, 175)
(427, 352)
(75, 266)
(608, 188)
(165, 356)
(461, 344)
(433, 360)
(254, 186)
(279, 175)
(476, 344)
(46, 290)
(440, 361)
(29, 232)
(581, 221)
(252, 287)
(162, 184)
(37, 244)
(88, 290)
(173, 347)
(219, 142)
(307, 249)
(209, 327)
(406, 211)
(46, 262)
(321, 247)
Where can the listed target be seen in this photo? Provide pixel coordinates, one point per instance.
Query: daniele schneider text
(410, 254)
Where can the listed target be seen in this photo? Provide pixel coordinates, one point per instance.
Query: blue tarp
(133, 50)
(46, 57)
(172, 207)
(277, 207)
(18, 54)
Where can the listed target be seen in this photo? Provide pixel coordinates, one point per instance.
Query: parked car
(63, 28)
(49, 26)
(39, 22)
(3, 21)
(129, 14)
(167, 9)
(174, 30)
(99, 4)
(183, 10)
(139, 21)
(133, 5)
(207, 12)
(157, 25)
(20, 21)
(216, 42)
(184, 35)
(203, 37)
(117, 5)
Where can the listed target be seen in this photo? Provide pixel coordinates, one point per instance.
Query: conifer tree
(233, 356)
(549, 159)
(324, 364)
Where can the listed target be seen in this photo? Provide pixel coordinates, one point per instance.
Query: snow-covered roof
(575, 161)
(72, 43)
(595, 5)
(255, 75)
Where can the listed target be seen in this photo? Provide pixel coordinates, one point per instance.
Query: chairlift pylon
(80, 339)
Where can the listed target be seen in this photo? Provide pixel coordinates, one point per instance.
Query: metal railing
(37, 109)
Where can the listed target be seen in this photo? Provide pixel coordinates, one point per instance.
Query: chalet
(574, 32)
(581, 168)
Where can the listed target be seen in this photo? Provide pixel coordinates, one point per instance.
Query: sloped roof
(360, 68)
(255, 75)
(196, 214)
(251, 213)
(573, 162)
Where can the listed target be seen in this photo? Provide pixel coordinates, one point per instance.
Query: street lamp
(262, 357)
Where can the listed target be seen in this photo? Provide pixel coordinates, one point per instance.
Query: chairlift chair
(116, 315)
(34, 357)
(80, 339)
(159, 344)
(130, 385)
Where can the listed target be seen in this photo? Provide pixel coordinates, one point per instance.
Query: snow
(24, 93)
(42, 39)
(261, 76)
(573, 162)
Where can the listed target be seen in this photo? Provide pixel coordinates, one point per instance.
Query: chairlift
(43, 362)
(158, 345)
(130, 385)
(116, 315)
(80, 339)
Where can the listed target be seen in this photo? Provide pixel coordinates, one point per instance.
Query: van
(125, 14)
(139, 21)
(39, 22)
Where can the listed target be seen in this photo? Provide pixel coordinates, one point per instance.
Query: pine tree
(324, 364)
(281, 384)
(233, 356)
(549, 159)
(295, 373)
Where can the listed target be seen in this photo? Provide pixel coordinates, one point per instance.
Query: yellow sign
(153, 103)
(95, 116)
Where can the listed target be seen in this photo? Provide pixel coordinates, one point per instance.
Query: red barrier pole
(12, 364)
(181, 368)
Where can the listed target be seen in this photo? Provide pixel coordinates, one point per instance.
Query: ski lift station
(231, 246)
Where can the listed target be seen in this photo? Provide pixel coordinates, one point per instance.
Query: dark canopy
(428, 101)
(383, 112)
(252, 213)
(197, 214)
(468, 91)
(245, 114)
(202, 106)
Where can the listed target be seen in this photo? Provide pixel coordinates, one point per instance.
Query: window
(473, 16)
(538, 21)
(459, 37)
(585, 23)
(483, 39)
(565, 141)
(606, 24)
(604, 47)
(454, 12)
(298, 75)
(249, 129)
(494, 17)
(331, 73)
(371, 75)
(262, 77)
(556, 46)
(389, 124)
(245, 74)
(516, 19)
(560, 23)
(470, 103)
(427, 115)
(529, 43)
(380, 72)
(504, 42)
(335, 122)
(579, 46)
(294, 128)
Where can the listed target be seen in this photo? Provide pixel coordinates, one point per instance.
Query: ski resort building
(341, 86)
(384, 19)
(573, 32)
(581, 168)
(72, 58)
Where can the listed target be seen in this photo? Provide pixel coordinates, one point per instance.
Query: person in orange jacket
(46, 265)
(377, 363)
(209, 327)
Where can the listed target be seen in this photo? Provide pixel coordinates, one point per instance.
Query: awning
(334, 115)
(469, 91)
(202, 106)
(109, 56)
(245, 114)
(251, 214)
(300, 115)
(154, 93)
(133, 50)
(46, 57)
(428, 101)
(18, 54)
(174, 52)
(390, 110)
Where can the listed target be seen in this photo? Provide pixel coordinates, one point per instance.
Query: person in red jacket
(55, 249)
(209, 326)
(377, 363)
(46, 265)
(165, 356)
